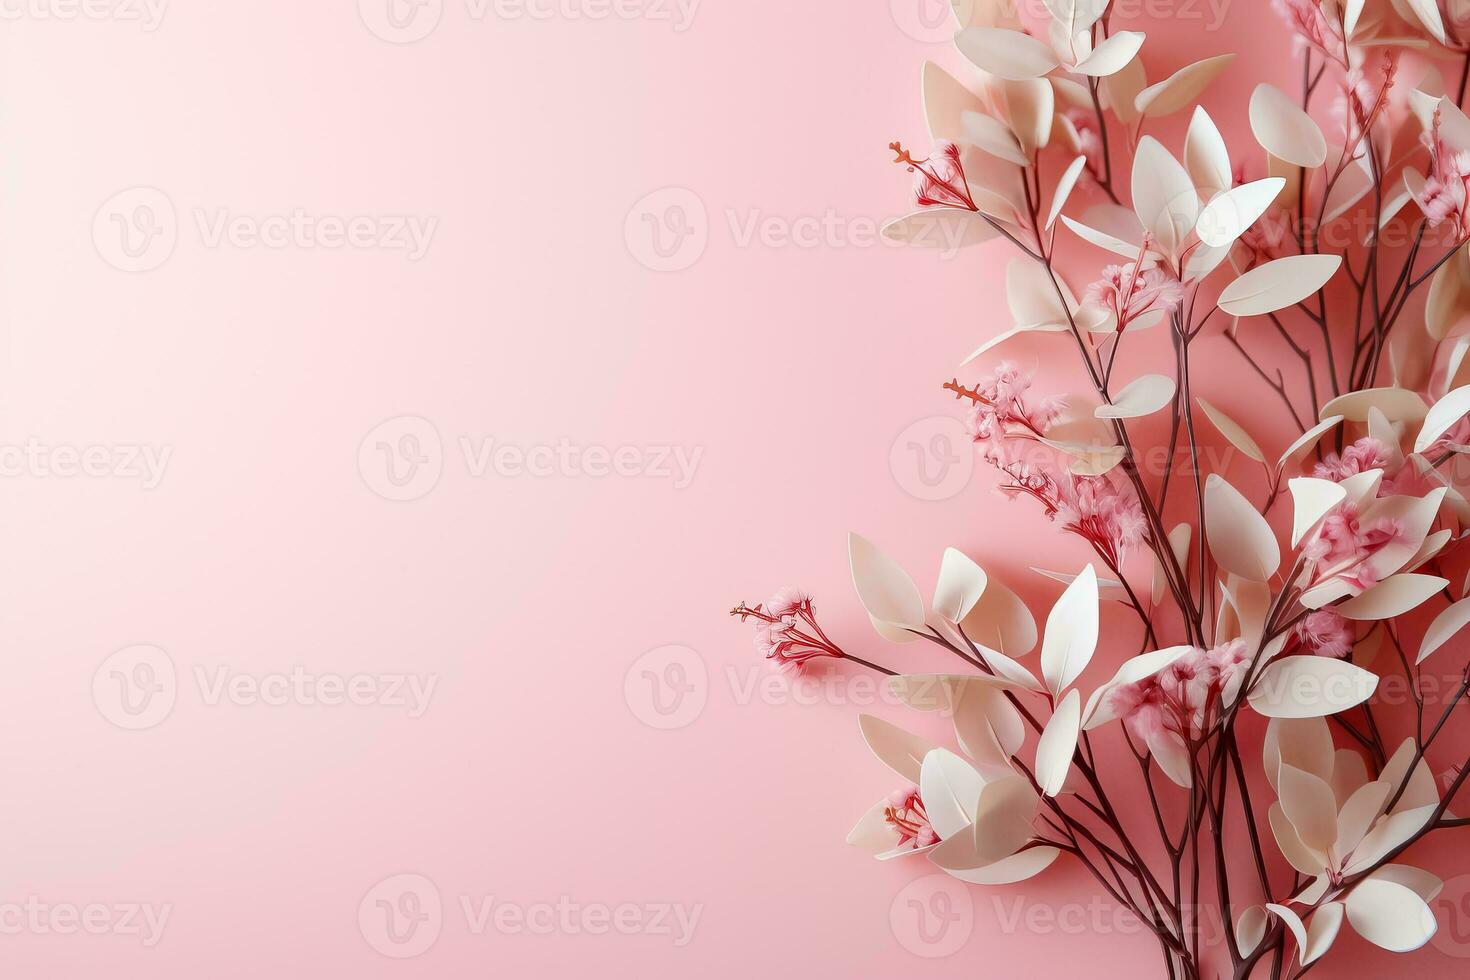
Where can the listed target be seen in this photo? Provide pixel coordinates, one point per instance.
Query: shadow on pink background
(317, 460)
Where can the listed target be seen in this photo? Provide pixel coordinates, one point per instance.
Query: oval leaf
(1284, 130)
(1278, 284)
(1239, 537)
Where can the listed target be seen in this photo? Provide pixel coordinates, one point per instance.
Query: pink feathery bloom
(786, 630)
(1187, 697)
(1002, 410)
(1444, 194)
(906, 815)
(1108, 516)
(1342, 544)
(939, 179)
(1365, 454)
(1325, 633)
(1313, 27)
(1128, 292)
(1364, 102)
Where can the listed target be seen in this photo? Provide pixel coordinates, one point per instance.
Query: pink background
(533, 774)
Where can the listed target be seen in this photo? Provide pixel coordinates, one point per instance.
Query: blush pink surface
(797, 357)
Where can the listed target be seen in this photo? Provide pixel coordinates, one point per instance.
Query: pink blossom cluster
(1344, 542)
(939, 179)
(1313, 26)
(1128, 292)
(1324, 633)
(786, 629)
(1001, 410)
(905, 814)
(1443, 196)
(1186, 697)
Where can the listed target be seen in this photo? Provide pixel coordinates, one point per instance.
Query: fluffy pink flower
(1186, 698)
(1365, 454)
(1312, 27)
(1444, 194)
(786, 630)
(905, 814)
(1325, 633)
(1129, 292)
(1002, 409)
(1342, 545)
(939, 179)
(1108, 516)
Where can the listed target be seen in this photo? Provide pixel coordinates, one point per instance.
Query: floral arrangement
(1271, 600)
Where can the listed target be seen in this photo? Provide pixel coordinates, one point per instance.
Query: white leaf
(1250, 928)
(940, 228)
(1442, 416)
(1002, 621)
(1057, 743)
(1232, 431)
(1205, 156)
(1297, 854)
(1359, 811)
(1392, 597)
(1396, 404)
(1141, 396)
(1239, 537)
(1312, 499)
(1064, 189)
(961, 583)
(986, 723)
(1112, 55)
(1018, 867)
(1075, 16)
(1071, 633)
(1308, 803)
(1181, 88)
(895, 748)
(1164, 197)
(1030, 105)
(1284, 130)
(1416, 880)
(1307, 440)
(945, 103)
(949, 787)
(1230, 213)
(1351, 11)
(1322, 932)
(1006, 54)
(1292, 921)
(1305, 743)
(1278, 284)
(883, 587)
(1310, 687)
(1428, 13)
(1445, 625)
(1003, 817)
(993, 136)
(1101, 239)
(1390, 916)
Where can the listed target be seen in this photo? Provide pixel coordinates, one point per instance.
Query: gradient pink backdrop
(531, 319)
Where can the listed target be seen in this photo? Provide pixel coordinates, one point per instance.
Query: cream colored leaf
(1284, 130)
(1322, 932)
(946, 101)
(1164, 197)
(883, 587)
(1141, 396)
(1238, 536)
(1310, 687)
(961, 583)
(1392, 597)
(994, 137)
(1278, 284)
(895, 748)
(948, 229)
(1312, 499)
(1390, 916)
(1205, 156)
(1057, 743)
(949, 787)
(1064, 189)
(1071, 633)
(1230, 213)
(1442, 417)
(1112, 55)
(1006, 54)
(1308, 803)
(1002, 621)
(1307, 440)
(1233, 432)
(1396, 404)
(1181, 88)
(1449, 622)
(1428, 13)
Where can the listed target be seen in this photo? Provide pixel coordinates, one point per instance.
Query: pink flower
(905, 814)
(789, 601)
(1342, 545)
(1129, 292)
(1186, 698)
(1325, 633)
(1313, 27)
(1107, 516)
(939, 179)
(1001, 409)
(1365, 454)
(1443, 196)
(786, 630)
